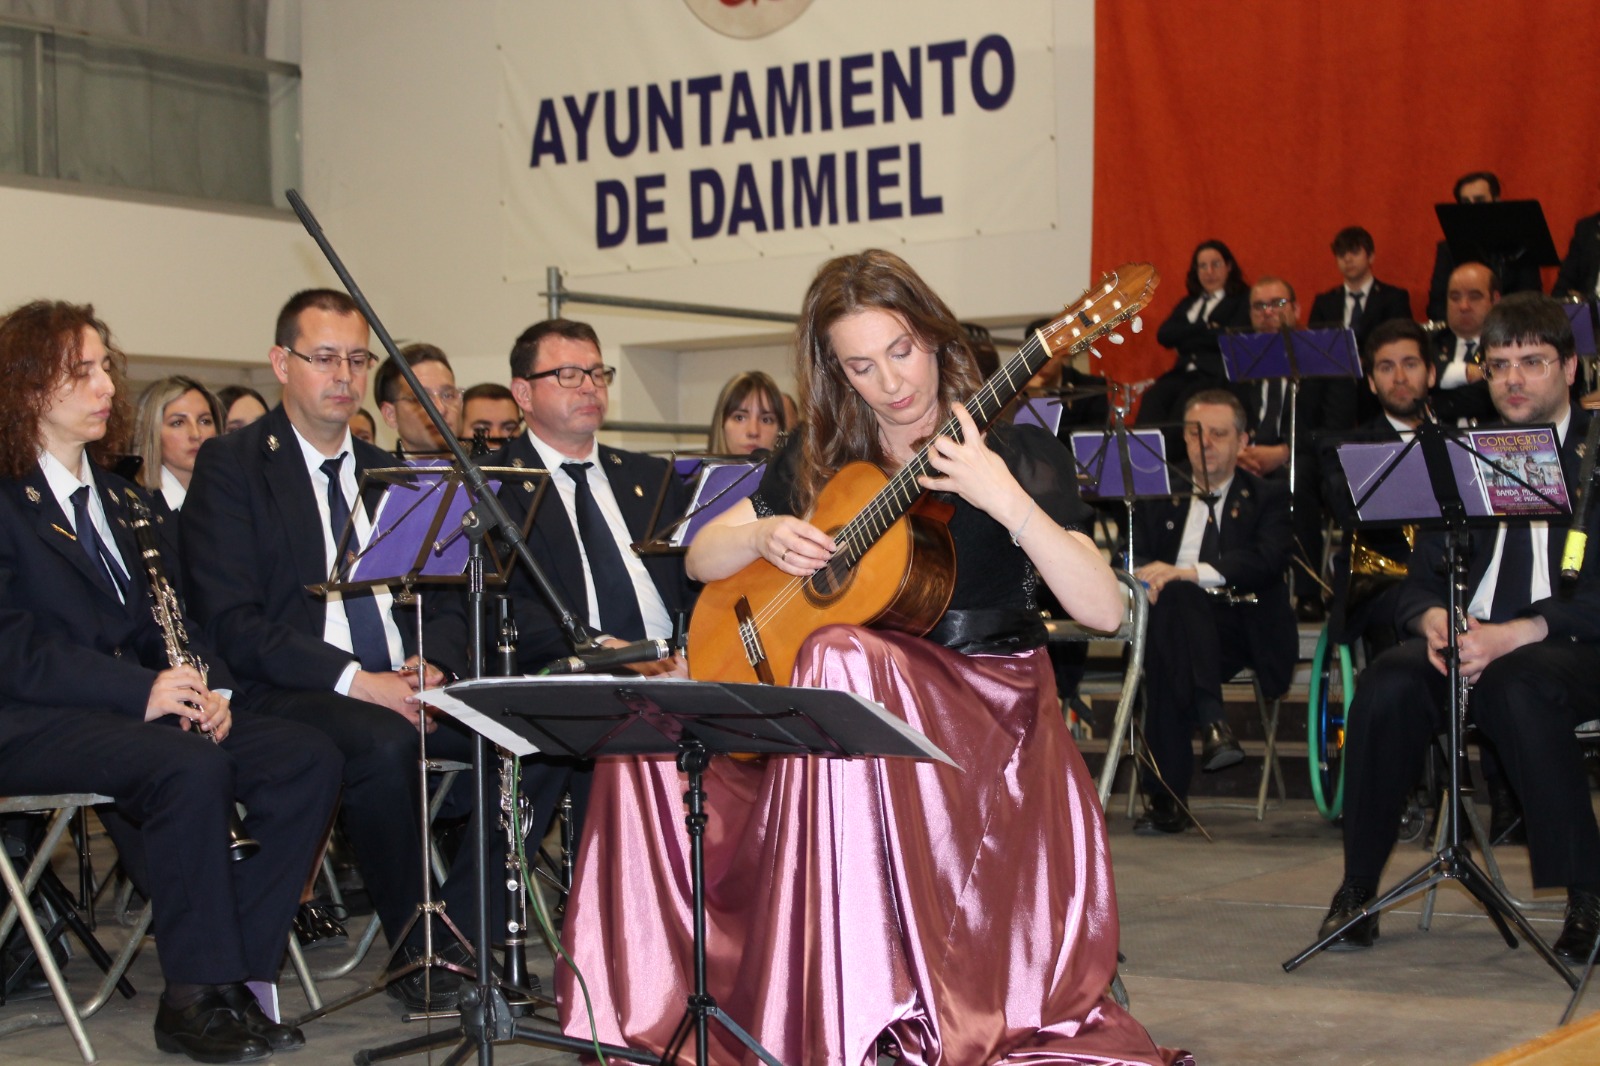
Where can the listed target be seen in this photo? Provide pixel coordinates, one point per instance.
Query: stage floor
(1205, 928)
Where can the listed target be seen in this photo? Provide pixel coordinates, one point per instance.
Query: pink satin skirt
(968, 915)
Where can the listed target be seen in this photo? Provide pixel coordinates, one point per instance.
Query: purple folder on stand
(1582, 317)
(416, 530)
(1318, 353)
(1100, 466)
(1522, 478)
(718, 484)
(1044, 411)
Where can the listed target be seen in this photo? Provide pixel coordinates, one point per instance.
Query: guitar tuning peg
(1116, 338)
(1095, 352)
(1138, 324)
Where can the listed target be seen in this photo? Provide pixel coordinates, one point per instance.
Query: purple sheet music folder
(1582, 317)
(1100, 466)
(1406, 495)
(405, 522)
(717, 486)
(1044, 411)
(1320, 353)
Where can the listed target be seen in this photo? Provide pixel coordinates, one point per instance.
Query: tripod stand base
(1452, 863)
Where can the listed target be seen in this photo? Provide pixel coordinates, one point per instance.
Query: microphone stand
(485, 1015)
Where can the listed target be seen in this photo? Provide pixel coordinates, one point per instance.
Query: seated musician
(415, 433)
(596, 505)
(1531, 652)
(260, 525)
(176, 415)
(1400, 375)
(877, 902)
(748, 415)
(90, 703)
(1231, 535)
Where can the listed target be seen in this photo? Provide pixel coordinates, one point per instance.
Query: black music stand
(716, 483)
(1502, 234)
(596, 716)
(1442, 478)
(417, 536)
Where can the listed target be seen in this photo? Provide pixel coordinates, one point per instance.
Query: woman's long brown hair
(840, 427)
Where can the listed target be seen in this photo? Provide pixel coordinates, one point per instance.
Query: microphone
(1578, 533)
(590, 662)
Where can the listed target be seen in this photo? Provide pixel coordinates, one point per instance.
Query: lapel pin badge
(638, 490)
(616, 460)
(272, 442)
(32, 494)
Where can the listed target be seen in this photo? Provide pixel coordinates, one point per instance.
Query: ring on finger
(784, 557)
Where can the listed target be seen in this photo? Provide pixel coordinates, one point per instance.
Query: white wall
(399, 103)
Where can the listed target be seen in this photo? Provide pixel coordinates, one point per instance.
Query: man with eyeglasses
(1531, 651)
(597, 505)
(1322, 405)
(415, 432)
(261, 523)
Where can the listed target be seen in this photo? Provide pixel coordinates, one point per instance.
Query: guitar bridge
(754, 653)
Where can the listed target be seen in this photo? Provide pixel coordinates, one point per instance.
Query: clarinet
(514, 819)
(169, 617)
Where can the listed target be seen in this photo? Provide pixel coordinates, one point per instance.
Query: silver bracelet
(1016, 538)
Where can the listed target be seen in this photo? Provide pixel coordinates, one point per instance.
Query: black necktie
(89, 538)
(1466, 353)
(367, 640)
(1513, 588)
(1355, 312)
(613, 588)
(1271, 431)
(1210, 553)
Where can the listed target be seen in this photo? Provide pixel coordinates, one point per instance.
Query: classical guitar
(895, 567)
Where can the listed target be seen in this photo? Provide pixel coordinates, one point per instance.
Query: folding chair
(61, 808)
(1124, 682)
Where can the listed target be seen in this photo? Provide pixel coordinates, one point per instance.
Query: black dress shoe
(1505, 815)
(279, 1037)
(1220, 751)
(444, 985)
(208, 1030)
(1163, 816)
(1348, 902)
(1582, 926)
(317, 922)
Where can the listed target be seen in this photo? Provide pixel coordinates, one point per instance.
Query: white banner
(636, 136)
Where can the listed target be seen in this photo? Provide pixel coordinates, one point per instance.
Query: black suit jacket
(1572, 612)
(66, 641)
(1384, 302)
(636, 481)
(1196, 342)
(1254, 539)
(1580, 270)
(252, 542)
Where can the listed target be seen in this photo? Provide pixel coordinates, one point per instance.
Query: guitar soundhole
(830, 582)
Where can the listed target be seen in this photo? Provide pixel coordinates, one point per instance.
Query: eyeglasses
(570, 377)
(449, 396)
(326, 362)
(1533, 367)
(1268, 305)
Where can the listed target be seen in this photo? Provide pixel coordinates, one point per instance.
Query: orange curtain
(1272, 125)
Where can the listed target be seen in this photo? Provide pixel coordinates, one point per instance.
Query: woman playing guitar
(953, 915)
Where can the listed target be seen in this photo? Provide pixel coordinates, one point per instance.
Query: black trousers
(215, 921)
(381, 805)
(1526, 704)
(1193, 644)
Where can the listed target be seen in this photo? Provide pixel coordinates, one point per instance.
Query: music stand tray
(595, 716)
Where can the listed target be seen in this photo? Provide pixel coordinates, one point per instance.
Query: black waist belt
(997, 631)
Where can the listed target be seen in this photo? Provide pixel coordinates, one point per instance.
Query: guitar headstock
(1116, 298)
